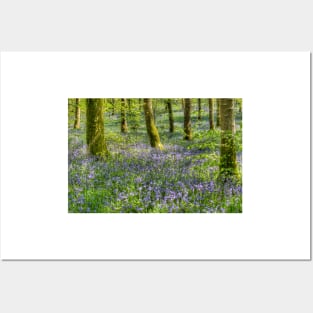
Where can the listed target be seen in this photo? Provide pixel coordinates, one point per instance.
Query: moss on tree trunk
(151, 128)
(187, 119)
(77, 114)
(211, 113)
(95, 128)
(170, 115)
(124, 128)
(228, 163)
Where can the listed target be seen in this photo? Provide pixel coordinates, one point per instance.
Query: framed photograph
(155, 155)
(161, 155)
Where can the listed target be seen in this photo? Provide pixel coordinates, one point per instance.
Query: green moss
(151, 128)
(228, 163)
(77, 114)
(95, 128)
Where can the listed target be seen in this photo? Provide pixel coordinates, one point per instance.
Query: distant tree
(211, 113)
(217, 112)
(113, 106)
(183, 104)
(187, 119)
(124, 128)
(77, 114)
(199, 109)
(95, 128)
(151, 128)
(170, 115)
(228, 163)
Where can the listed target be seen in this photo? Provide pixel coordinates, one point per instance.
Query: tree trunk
(113, 106)
(154, 111)
(187, 119)
(183, 104)
(228, 163)
(95, 128)
(199, 109)
(124, 128)
(77, 114)
(218, 113)
(151, 128)
(170, 115)
(211, 113)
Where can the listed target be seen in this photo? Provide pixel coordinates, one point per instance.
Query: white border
(275, 88)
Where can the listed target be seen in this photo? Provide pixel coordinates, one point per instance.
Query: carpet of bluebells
(139, 179)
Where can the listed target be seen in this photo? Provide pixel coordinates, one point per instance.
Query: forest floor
(139, 179)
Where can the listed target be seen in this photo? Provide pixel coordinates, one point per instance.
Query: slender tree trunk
(183, 104)
(228, 163)
(124, 128)
(218, 113)
(151, 128)
(170, 115)
(154, 112)
(199, 109)
(95, 128)
(113, 106)
(187, 119)
(77, 114)
(211, 113)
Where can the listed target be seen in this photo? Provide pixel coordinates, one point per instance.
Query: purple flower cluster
(140, 179)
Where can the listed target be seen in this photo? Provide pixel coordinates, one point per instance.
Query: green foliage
(207, 140)
(134, 114)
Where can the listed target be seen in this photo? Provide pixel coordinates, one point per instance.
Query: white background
(168, 286)
(275, 88)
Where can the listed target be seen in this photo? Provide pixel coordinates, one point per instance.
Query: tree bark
(170, 115)
(211, 113)
(124, 128)
(113, 106)
(95, 128)
(154, 110)
(199, 109)
(187, 119)
(218, 113)
(228, 163)
(151, 128)
(77, 114)
(183, 104)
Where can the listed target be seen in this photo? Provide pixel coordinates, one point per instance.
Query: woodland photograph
(164, 155)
